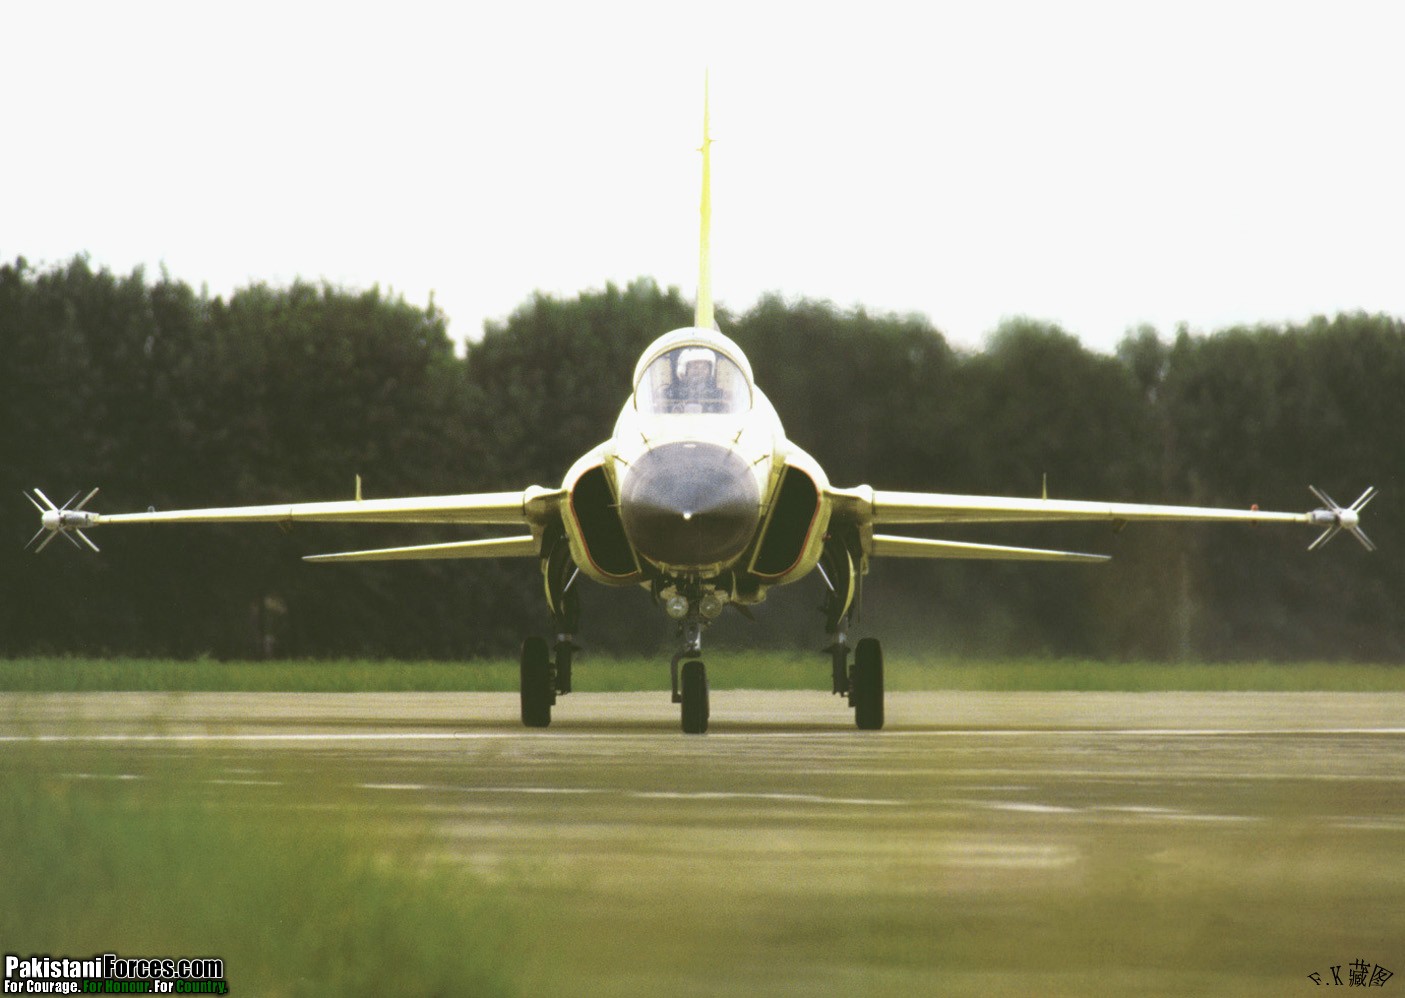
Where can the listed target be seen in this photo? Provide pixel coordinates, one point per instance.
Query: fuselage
(692, 477)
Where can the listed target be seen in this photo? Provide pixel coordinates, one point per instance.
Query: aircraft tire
(537, 693)
(695, 701)
(866, 681)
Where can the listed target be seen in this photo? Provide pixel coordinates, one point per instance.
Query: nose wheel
(694, 698)
(690, 685)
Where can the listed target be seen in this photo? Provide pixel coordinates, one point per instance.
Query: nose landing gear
(694, 698)
(692, 691)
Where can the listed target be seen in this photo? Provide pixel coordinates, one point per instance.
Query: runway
(1066, 843)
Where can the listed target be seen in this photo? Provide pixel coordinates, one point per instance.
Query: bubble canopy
(693, 372)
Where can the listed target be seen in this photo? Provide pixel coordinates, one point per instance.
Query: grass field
(727, 670)
(301, 902)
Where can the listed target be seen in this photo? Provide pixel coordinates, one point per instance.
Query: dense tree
(170, 398)
(1256, 414)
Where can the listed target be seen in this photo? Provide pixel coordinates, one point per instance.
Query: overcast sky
(1100, 165)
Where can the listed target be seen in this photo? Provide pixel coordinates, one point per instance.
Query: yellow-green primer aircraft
(699, 496)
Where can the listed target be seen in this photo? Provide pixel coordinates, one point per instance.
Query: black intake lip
(690, 505)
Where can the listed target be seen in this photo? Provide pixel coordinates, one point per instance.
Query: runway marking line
(418, 787)
(770, 797)
(639, 794)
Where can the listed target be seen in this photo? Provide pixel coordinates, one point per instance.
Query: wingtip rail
(68, 520)
(1336, 518)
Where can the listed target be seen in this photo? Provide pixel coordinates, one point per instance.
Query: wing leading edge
(866, 507)
(531, 507)
(875, 506)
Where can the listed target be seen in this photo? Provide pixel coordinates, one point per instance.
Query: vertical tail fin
(703, 316)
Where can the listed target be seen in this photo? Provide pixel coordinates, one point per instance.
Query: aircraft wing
(867, 507)
(530, 507)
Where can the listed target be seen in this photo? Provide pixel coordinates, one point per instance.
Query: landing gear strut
(565, 652)
(839, 664)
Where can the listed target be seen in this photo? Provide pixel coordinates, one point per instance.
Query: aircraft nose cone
(690, 504)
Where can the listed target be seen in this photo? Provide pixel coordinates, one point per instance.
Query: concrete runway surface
(1029, 843)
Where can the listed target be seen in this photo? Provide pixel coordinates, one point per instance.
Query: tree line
(169, 398)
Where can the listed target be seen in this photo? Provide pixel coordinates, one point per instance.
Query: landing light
(711, 605)
(676, 607)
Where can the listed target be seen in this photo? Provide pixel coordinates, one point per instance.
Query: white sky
(1095, 164)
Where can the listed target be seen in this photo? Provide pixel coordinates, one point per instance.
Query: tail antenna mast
(703, 316)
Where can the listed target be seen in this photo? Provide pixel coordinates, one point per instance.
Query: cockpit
(693, 378)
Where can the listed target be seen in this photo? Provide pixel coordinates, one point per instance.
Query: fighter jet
(699, 497)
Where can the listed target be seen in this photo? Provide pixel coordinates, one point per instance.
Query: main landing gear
(861, 682)
(545, 675)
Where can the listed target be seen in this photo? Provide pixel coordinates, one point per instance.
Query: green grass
(111, 862)
(727, 670)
